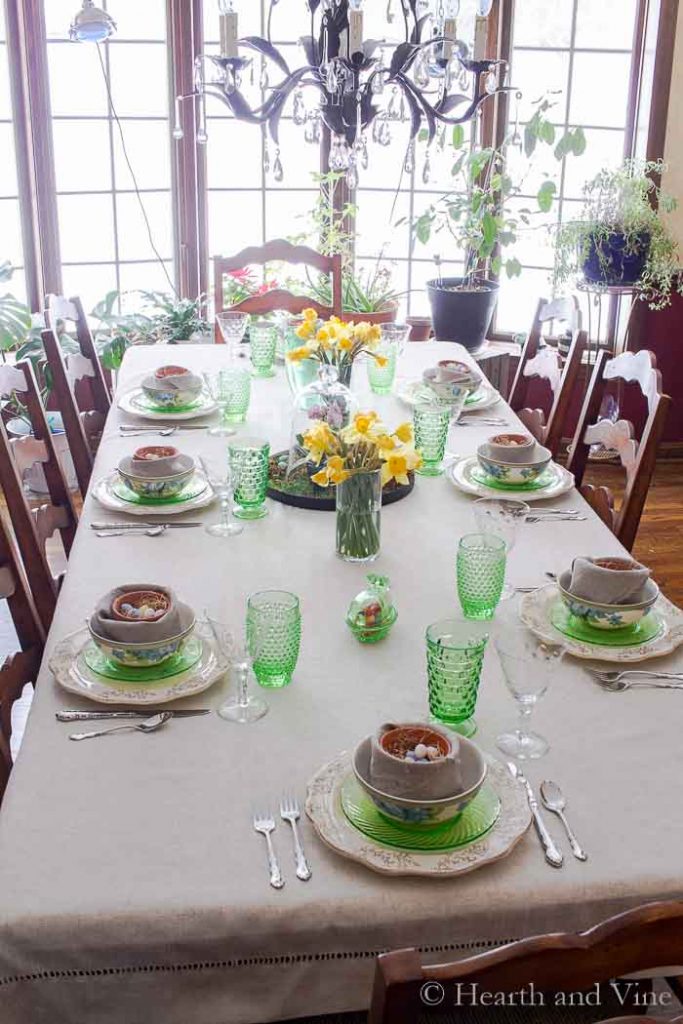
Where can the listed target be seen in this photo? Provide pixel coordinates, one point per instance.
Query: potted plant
(15, 317)
(621, 238)
(476, 217)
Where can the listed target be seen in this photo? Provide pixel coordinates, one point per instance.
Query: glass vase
(359, 503)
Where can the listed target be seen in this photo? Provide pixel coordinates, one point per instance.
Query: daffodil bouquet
(336, 342)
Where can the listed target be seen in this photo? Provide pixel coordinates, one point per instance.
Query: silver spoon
(149, 725)
(152, 531)
(553, 800)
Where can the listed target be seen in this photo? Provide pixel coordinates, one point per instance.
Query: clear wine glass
(219, 474)
(528, 663)
(503, 518)
(221, 386)
(232, 327)
(243, 706)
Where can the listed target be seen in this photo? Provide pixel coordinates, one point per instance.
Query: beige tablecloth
(132, 887)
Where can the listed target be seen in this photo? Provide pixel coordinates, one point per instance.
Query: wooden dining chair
(21, 667)
(96, 387)
(279, 251)
(637, 457)
(33, 526)
(649, 938)
(83, 427)
(560, 375)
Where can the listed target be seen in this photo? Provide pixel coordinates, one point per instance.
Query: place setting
(454, 383)
(155, 480)
(510, 463)
(169, 393)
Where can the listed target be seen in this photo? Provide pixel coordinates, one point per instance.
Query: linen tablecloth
(132, 886)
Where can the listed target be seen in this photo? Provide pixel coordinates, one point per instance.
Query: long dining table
(133, 887)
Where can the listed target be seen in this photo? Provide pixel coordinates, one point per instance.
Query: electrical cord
(132, 174)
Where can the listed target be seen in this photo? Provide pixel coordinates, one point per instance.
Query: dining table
(133, 885)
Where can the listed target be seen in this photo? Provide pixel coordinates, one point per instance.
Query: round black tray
(328, 504)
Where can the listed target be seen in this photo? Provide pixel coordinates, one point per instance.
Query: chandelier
(349, 84)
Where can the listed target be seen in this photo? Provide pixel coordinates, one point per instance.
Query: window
(582, 50)
(104, 237)
(10, 218)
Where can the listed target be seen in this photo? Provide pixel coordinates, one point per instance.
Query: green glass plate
(195, 486)
(143, 402)
(546, 478)
(477, 819)
(110, 669)
(648, 628)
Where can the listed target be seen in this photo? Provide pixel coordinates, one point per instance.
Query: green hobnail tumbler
(480, 574)
(455, 654)
(274, 636)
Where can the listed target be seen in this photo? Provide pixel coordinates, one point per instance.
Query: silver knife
(142, 526)
(96, 716)
(552, 854)
(163, 426)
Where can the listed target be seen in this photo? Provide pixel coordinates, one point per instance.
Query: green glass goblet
(381, 375)
(481, 574)
(455, 653)
(249, 458)
(274, 636)
(263, 339)
(431, 423)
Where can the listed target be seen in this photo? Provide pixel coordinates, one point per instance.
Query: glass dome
(325, 400)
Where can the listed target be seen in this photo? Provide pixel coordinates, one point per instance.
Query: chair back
(33, 526)
(21, 667)
(564, 310)
(70, 311)
(83, 428)
(543, 362)
(279, 251)
(645, 939)
(637, 457)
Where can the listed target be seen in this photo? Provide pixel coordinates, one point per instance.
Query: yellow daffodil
(413, 458)
(321, 478)
(319, 441)
(336, 471)
(404, 432)
(363, 423)
(381, 361)
(344, 344)
(305, 330)
(374, 332)
(385, 441)
(295, 355)
(310, 315)
(323, 338)
(395, 468)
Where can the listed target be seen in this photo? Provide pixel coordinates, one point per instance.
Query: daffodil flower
(395, 468)
(310, 315)
(295, 355)
(404, 432)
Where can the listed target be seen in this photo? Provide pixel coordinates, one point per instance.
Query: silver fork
(289, 811)
(264, 824)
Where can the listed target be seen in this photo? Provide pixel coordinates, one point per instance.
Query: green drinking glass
(455, 653)
(381, 377)
(431, 423)
(263, 340)
(274, 636)
(481, 574)
(249, 459)
(236, 383)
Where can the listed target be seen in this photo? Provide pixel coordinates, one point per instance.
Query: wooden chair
(22, 667)
(83, 428)
(70, 311)
(646, 939)
(540, 361)
(279, 251)
(33, 527)
(638, 457)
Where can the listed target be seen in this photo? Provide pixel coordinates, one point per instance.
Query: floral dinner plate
(137, 403)
(464, 473)
(484, 397)
(112, 495)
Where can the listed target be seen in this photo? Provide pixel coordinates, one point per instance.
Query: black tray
(323, 503)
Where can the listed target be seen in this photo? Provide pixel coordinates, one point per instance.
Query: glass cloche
(372, 613)
(325, 400)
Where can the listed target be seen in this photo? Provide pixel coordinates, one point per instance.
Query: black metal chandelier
(428, 79)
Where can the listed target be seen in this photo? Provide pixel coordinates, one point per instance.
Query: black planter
(609, 263)
(462, 316)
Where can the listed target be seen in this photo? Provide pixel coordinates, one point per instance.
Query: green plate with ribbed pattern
(474, 822)
(546, 478)
(646, 629)
(110, 669)
(143, 401)
(195, 486)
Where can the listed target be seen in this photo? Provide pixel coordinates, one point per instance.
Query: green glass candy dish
(372, 614)
(192, 489)
(110, 669)
(480, 816)
(546, 478)
(647, 628)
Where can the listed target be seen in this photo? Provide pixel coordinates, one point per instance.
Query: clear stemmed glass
(528, 664)
(219, 474)
(503, 518)
(243, 706)
(221, 386)
(232, 327)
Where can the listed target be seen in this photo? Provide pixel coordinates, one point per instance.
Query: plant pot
(420, 327)
(462, 316)
(380, 316)
(609, 263)
(34, 477)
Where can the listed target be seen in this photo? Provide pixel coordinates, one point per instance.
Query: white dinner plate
(460, 474)
(323, 807)
(483, 398)
(103, 492)
(134, 402)
(68, 665)
(536, 608)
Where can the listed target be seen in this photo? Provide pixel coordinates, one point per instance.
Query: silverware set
(636, 679)
(138, 529)
(150, 724)
(264, 823)
(481, 421)
(163, 430)
(553, 801)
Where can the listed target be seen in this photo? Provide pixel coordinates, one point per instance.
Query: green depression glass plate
(477, 819)
(143, 402)
(110, 669)
(546, 478)
(649, 627)
(192, 489)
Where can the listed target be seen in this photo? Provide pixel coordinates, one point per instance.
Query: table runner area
(132, 886)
